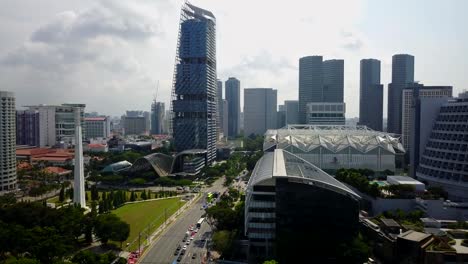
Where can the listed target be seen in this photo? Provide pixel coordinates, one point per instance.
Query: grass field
(140, 215)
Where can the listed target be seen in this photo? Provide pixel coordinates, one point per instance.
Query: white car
(184, 247)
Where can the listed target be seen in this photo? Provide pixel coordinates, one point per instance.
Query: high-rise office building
(421, 105)
(409, 99)
(133, 125)
(292, 112)
(370, 95)
(225, 117)
(444, 161)
(402, 76)
(194, 94)
(326, 113)
(219, 105)
(97, 127)
(157, 118)
(310, 83)
(281, 116)
(27, 128)
(7, 142)
(319, 82)
(333, 81)
(232, 89)
(57, 123)
(259, 110)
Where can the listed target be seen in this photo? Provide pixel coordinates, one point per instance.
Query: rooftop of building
(389, 222)
(404, 180)
(101, 118)
(334, 138)
(414, 236)
(57, 170)
(283, 164)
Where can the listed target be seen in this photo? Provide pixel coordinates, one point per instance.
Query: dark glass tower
(371, 95)
(232, 89)
(194, 94)
(157, 117)
(402, 76)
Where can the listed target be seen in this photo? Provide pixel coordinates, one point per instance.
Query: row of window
(442, 174)
(450, 137)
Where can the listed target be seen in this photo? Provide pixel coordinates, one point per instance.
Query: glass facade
(195, 89)
(444, 161)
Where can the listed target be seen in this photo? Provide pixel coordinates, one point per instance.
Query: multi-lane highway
(163, 250)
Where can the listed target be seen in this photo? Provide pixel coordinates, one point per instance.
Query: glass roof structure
(284, 164)
(306, 138)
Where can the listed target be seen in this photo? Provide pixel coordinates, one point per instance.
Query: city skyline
(61, 47)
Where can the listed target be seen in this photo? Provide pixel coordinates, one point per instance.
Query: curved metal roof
(159, 162)
(284, 164)
(333, 138)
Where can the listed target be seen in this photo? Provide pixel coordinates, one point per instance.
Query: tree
(110, 227)
(62, 194)
(132, 196)
(270, 262)
(94, 193)
(14, 260)
(222, 241)
(143, 195)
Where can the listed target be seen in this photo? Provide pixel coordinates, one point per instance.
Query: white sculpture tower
(78, 188)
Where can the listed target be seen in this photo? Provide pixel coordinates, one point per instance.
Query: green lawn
(140, 215)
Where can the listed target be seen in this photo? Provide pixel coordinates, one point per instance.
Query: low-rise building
(399, 180)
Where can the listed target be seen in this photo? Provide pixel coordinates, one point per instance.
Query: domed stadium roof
(333, 138)
(160, 163)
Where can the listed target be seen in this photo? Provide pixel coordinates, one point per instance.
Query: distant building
(319, 81)
(408, 100)
(220, 107)
(335, 147)
(402, 76)
(281, 116)
(292, 112)
(326, 113)
(97, 127)
(259, 110)
(57, 123)
(290, 200)
(157, 118)
(7, 142)
(225, 118)
(232, 89)
(444, 161)
(371, 95)
(194, 92)
(27, 128)
(134, 125)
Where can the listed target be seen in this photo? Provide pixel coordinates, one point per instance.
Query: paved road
(162, 251)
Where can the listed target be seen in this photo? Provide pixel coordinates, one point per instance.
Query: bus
(200, 222)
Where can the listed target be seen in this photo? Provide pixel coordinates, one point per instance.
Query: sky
(111, 55)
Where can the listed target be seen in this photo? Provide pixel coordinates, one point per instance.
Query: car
(178, 247)
(191, 238)
(176, 252)
(182, 252)
(184, 247)
(188, 242)
(194, 256)
(179, 258)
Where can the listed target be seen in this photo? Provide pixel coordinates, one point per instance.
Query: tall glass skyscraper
(158, 110)
(219, 105)
(402, 76)
(371, 95)
(232, 89)
(194, 93)
(319, 82)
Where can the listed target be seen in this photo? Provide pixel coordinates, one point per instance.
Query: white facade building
(326, 113)
(7, 142)
(97, 127)
(335, 147)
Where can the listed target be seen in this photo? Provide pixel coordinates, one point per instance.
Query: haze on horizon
(111, 54)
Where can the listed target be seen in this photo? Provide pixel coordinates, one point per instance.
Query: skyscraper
(310, 83)
(444, 161)
(7, 142)
(157, 117)
(232, 89)
(281, 116)
(194, 91)
(333, 81)
(370, 95)
(259, 110)
(292, 112)
(219, 105)
(319, 82)
(225, 117)
(27, 127)
(402, 76)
